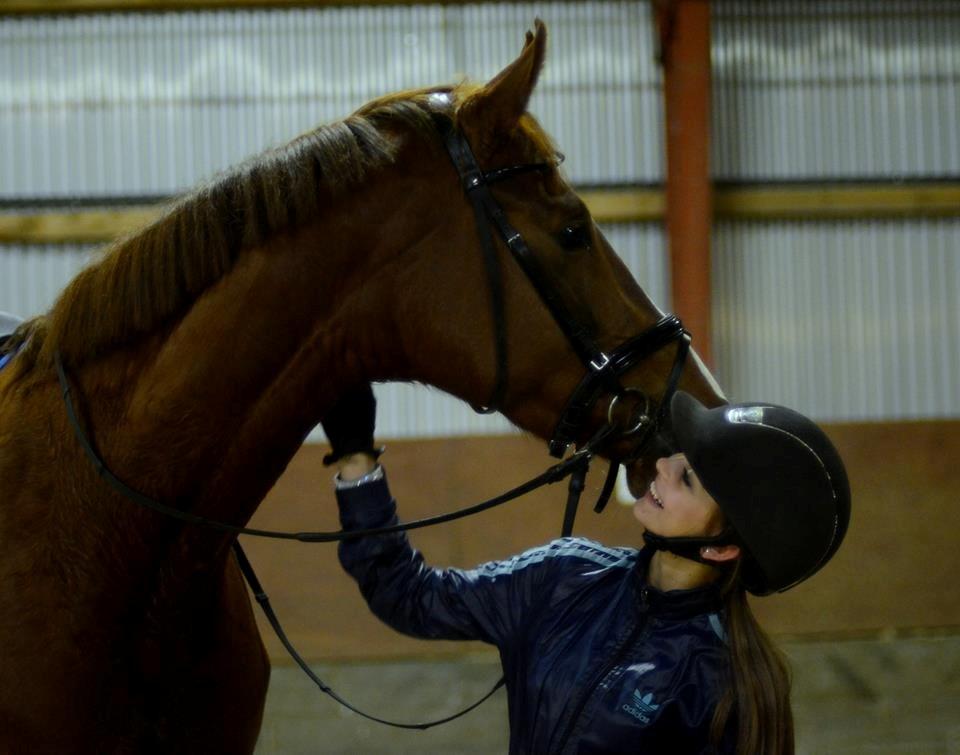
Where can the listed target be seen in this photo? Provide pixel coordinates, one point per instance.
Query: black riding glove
(349, 425)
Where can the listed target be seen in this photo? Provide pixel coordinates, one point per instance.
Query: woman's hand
(349, 426)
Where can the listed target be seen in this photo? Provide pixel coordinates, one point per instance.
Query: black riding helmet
(778, 480)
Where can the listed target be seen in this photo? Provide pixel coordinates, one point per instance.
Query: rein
(574, 467)
(602, 376)
(553, 474)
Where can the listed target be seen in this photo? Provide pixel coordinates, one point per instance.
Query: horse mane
(148, 279)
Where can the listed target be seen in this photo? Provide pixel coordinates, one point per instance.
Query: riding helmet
(778, 480)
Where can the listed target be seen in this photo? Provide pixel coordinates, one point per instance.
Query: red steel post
(684, 30)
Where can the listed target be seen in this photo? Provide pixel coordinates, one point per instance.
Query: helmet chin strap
(689, 547)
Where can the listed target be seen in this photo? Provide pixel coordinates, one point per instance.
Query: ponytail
(758, 693)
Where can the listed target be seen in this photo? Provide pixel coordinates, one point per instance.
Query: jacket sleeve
(486, 603)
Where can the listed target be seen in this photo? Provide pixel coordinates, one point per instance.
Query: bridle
(603, 370)
(603, 375)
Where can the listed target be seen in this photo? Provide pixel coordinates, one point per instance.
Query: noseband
(603, 376)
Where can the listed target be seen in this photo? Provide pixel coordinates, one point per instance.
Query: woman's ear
(720, 553)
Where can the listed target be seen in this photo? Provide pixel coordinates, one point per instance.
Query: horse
(206, 346)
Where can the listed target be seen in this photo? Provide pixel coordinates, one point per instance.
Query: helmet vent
(745, 414)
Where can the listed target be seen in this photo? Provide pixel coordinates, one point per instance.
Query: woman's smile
(652, 495)
(675, 503)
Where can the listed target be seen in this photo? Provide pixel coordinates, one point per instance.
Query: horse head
(521, 326)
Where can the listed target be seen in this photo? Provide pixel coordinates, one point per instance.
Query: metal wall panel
(153, 103)
(858, 88)
(600, 94)
(844, 321)
(32, 276)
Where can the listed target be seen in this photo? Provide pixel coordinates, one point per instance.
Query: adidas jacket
(595, 660)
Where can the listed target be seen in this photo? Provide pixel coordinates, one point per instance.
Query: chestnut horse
(207, 345)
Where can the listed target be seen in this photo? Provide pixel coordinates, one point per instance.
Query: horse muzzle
(632, 417)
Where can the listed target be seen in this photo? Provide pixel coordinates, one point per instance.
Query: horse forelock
(148, 279)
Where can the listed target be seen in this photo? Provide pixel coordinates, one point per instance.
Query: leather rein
(602, 376)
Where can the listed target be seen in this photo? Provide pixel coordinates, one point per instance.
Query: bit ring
(642, 418)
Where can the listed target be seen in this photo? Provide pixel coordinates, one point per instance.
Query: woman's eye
(686, 477)
(575, 237)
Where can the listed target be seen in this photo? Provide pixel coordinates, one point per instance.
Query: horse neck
(221, 403)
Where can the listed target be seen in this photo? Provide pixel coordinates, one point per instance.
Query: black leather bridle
(603, 376)
(603, 369)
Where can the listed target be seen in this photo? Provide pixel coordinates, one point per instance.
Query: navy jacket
(595, 660)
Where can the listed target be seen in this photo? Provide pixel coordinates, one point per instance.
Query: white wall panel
(835, 88)
(31, 277)
(844, 321)
(153, 103)
(600, 92)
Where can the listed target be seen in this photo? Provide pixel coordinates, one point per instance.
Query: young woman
(617, 650)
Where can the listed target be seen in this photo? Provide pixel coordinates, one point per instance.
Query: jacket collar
(672, 604)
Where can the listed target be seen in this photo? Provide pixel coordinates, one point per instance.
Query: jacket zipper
(618, 654)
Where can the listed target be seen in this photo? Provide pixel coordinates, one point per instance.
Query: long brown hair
(759, 690)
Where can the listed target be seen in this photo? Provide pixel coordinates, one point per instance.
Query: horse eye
(575, 237)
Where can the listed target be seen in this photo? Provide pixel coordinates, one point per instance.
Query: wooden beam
(820, 202)
(80, 227)
(53, 7)
(624, 205)
(619, 205)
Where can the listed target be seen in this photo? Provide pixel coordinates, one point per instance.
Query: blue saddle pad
(5, 358)
(8, 324)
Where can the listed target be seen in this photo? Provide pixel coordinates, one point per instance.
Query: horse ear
(496, 108)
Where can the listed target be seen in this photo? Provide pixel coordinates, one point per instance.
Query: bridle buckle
(600, 363)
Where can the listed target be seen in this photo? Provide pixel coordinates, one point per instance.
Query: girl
(618, 650)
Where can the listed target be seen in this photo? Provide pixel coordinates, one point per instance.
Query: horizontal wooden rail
(63, 7)
(838, 201)
(81, 227)
(823, 202)
(49, 7)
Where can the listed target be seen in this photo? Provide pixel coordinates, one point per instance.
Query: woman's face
(676, 504)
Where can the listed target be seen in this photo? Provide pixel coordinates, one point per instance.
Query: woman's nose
(663, 465)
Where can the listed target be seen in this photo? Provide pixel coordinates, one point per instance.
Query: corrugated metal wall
(32, 275)
(844, 320)
(152, 104)
(847, 89)
(102, 106)
(848, 321)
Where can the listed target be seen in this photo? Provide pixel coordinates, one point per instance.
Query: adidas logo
(645, 703)
(642, 706)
